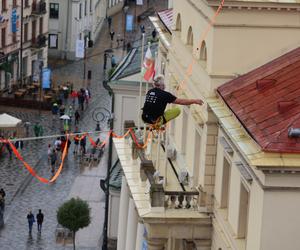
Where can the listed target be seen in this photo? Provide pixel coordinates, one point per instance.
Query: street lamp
(125, 10)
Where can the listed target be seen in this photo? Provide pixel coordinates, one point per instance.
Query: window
(85, 7)
(53, 41)
(190, 37)
(225, 184)
(54, 10)
(26, 3)
(91, 5)
(41, 25)
(33, 32)
(243, 212)
(80, 14)
(14, 3)
(4, 5)
(178, 23)
(25, 32)
(3, 37)
(203, 52)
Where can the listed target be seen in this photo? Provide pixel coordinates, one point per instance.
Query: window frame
(49, 44)
(80, 11)
(53, 10)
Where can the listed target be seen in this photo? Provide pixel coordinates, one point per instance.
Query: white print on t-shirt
(151, 98)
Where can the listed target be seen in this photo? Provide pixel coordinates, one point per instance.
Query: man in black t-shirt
(157, 100)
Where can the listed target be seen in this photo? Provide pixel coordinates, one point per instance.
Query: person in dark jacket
(31, 220)
(40, 219)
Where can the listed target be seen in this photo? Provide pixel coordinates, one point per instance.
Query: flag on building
(148, 66)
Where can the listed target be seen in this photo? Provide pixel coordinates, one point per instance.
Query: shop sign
(46, 76)
(129, 22)
(14, 18)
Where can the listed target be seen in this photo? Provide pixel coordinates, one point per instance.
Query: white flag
(139, 2)
(79, 52)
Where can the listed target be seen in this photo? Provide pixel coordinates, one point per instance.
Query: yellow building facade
(210, 185)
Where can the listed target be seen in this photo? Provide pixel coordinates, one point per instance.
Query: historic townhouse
(71, 20)
(35, 37)
(9, 43)
(228, 172)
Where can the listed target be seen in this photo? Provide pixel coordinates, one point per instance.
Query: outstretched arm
(188, 101)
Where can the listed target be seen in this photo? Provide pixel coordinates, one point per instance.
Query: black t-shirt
(155, 104)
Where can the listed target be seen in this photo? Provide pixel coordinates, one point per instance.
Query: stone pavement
(86, 187)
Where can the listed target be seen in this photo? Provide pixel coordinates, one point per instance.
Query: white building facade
(70, 20)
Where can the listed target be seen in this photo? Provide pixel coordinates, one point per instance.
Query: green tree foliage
(74, 215)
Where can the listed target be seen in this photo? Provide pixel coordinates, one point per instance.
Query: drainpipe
(109, 163)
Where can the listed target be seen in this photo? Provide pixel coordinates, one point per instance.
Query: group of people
(83, 96)
(55, 151)
(31, 219)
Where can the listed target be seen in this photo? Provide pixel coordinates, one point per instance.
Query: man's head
(159, 81)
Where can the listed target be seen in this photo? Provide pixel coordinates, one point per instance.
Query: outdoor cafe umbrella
(65, 117)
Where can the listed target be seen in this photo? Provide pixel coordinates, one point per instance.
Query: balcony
(10, 48)
(38, 8)
(39, 42)
(161, 200)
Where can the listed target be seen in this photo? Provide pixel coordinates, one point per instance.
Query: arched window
(190, 37)
(203, 53)
(178, 23)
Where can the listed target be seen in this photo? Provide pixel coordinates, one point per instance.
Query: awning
(8, 121)
(166, 16)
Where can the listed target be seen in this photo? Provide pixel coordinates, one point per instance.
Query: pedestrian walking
(112, 34)
(39, 219)
(113, 61)
(31, 220)
(19, 144)
(49, 152)
(2, 199)
(76, 140)
(77, 117)
(53, 159)
(74, 96)
(109, 21)
(83, 145)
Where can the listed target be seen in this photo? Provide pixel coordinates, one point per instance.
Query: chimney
(264, 83)
(284, 106)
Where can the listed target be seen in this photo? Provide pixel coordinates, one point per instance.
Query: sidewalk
(86, 186)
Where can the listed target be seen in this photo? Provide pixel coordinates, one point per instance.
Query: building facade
(34, 41)
(225, 173)
(9, 43)
(71, 20)
(35, 37)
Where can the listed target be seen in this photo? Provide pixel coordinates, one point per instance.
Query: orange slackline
(32, 171)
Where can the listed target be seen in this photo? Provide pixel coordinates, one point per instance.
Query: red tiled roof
(166, 16)
(267, 102)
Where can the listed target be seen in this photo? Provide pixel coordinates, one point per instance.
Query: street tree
(74, 215)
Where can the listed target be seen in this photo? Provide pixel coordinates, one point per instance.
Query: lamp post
(125, 10)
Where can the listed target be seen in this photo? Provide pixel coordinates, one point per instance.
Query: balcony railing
(159, 197)
(39, 42)
(39, 8)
